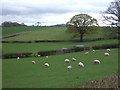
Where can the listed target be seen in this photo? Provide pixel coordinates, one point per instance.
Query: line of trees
(9, 24)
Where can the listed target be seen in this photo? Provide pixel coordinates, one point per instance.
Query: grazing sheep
(38, 55)
(93, 50)
(80, 64)
(46, 56)
(73, 59)
(33, 62)
(67, 60)
(86, 53)
(107, 49)
(106, 54)
(46, 64)
(18, 57)
(69, 67)
(97, 61)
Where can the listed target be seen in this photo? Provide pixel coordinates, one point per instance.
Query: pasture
(23, 74)
(46, 33)
(45, 46)
(12, 30)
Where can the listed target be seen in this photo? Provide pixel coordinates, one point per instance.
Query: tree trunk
(81, 37)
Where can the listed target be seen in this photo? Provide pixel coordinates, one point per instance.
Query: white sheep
(33, 62)
(18, 57)
(86, 53)
(73, 59)
(93, 50)
(67, 60)
(69, 67)
(107, 49)
(46, 56)
(46, 64)
(80, 64)
(97, 61)
(106, 54)
(39, 55)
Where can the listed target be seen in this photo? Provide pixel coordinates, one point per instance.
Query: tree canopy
(9, 24)
(81, 24)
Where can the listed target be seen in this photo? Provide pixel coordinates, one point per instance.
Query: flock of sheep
(73, 59)
(81, 64)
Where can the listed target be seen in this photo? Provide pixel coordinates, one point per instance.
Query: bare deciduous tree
(112, 14)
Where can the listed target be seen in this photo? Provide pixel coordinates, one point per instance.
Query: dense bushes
(45, 53)
(15, 55)
(106, 46)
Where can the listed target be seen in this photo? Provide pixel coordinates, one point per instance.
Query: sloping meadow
(23, 74)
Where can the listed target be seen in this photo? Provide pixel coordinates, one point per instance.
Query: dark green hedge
(45, 53)
(15, 55)
(106, 46)
(53, 52)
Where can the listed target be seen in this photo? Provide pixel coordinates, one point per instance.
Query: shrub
(106, 46)
(45, 53)
(15, 55)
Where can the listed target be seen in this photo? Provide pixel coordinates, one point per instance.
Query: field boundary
(13, 35)
(39, 41)
(61, 51)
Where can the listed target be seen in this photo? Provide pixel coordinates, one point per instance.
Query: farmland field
(44, 33)
(35, 47)
(23, 74)
(12, 30)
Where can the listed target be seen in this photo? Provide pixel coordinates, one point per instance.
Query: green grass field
(35, 47)
(48, 33)
(23, 74)
(51, 33)
(12, 30)
(44, 33)
(0, 73)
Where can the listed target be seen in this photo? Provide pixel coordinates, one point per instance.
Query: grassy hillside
(51, 33)
(23, 74)
(12, 30)
(35, 47)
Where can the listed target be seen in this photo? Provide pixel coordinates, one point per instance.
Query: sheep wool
(106, 54)
(46, 64)
(38, 55)
(46, 56)
(80, 64)
(69, 67)
(67, 60)
(93, 50)
(73, 59)
(33, 62)
(107, 49)
(97, 61)
(18, 57)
